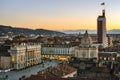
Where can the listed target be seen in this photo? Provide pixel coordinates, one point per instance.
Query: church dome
(86, 40)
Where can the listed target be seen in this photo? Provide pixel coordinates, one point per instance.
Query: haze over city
(58, 14)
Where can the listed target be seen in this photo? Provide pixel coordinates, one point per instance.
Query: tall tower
(101, 29)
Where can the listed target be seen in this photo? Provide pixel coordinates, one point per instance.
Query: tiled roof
(62, 69)
(54, 73)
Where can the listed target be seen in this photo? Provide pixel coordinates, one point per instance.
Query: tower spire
(101, 27)
(103, 10)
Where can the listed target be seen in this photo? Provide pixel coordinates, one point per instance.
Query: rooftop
(53, 73)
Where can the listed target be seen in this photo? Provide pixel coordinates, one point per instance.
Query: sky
(58, 14)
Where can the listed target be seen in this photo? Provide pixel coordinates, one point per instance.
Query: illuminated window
(104, 58)
(113, 58)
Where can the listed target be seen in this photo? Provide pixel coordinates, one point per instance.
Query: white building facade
(86, 50)
(25, 55)
(58, 49)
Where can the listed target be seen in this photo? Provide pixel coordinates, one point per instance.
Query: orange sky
(63, 23)
(58, 14)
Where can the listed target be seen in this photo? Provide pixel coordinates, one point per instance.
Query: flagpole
(103, 5)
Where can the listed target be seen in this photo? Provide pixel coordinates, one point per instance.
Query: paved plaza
(15, 75)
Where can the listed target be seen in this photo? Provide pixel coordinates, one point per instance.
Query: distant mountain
(79, 31)
(114, 31)
(6, 29)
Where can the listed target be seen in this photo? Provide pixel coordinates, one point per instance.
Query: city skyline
(58, 14)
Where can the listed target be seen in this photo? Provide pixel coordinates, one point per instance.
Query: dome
(86, 40)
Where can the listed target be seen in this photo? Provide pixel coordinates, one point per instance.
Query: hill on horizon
(15, 30)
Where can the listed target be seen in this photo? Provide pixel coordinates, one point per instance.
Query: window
(113, 58)
(91, 55)
(104, 58)
(77, 54)
(83, 55)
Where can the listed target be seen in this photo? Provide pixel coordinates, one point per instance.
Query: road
(15, 75)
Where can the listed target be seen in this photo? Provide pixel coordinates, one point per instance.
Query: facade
(115, 37)
(5, 58)
(5, 62)
(25, 55)
(101, 29)
(83, 66)
(57, 51)
(110, 43)
(118, 55)
(107, 56)
(86, 50)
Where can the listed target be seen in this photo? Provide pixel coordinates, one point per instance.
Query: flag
(103, 3)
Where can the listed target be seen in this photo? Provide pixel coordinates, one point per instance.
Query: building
(60, 72)
(110, 43)
(101, 29)
(3, 38)
(108, 59)
(99, 73)
(107, 56)
(86, 49)
(5, 62)
(64, 71)
(57, 51)
(25, 55)
(5, 57)
(115, 37)
(82, 65)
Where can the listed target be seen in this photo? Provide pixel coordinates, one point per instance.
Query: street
(15, 75)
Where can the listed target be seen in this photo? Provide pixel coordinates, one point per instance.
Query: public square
(15, 75)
